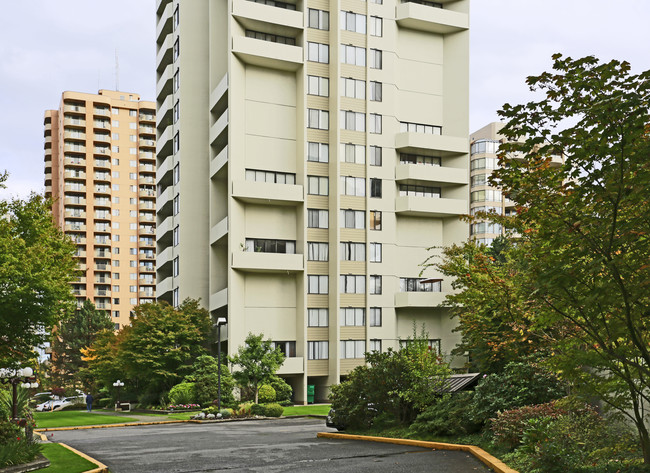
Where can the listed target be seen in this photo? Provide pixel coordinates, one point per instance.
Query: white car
(55, 405)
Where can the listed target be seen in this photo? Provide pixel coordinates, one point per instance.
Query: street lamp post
(118, 384)
(23, 376)
(220, 321)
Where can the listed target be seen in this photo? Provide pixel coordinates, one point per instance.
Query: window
(375, 345)
(259, 245)
(353, 55)
(375, 155)
(378, 2)
(485, 227)
(273, 38)
(318, 284)
(484, 163)
(317, 251)
(317, 350)
(353, 251)
(485, 146)
(318, 152)
(271, 177)
(375, 252)
(317, 52)
(408, 127)
(375, 187)
(375, 284)
(353, 348)
(175, 297)
(317, 317)
(416, 285)
(133, 175)
(352, 317)
(317, 218)
(318, 86)
(177, 48)
(287, 348)
(176, 235)
(353, 88)
(319, 19)
(353, 219)
(176, 16)
(375, 59)
(353, 22)
(375, 220)
(116, 275)
(176, 145)
(176, 267)
(177, 173)
(318, 119)
(115, 136)
(479, 180)
(354, 121)
(375, 316)
(317, 185)
(353, 284)
(116, 289)
(376, 26)
(420, 191)
(116, 313)
(419, 159)
(176, 204)
(353, 186)
(374, 123)
(133, 288)
(353, 153)
(488, 195)
(177, 80)
(115, 149)
(177, 111)
(375, 91)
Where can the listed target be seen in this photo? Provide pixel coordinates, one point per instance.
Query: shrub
(210, 410)
(283, 391)
(205, 376)
(274, 410)
(449, 416)
(243, 410)
(266, 394)
(15, 452)
(103, 402)
(226, 413)
(182, 393)
(258, 410)
(509, 426)
(9, 431)
(520, 384)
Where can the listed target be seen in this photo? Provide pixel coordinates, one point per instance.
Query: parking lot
(254, 446)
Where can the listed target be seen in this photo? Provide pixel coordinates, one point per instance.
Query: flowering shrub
(508, 427)
(178, 407)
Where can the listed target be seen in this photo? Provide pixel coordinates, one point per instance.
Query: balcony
(102, 138)
(74, 188)
(102, 164)
(267, 262)
(165, 114)
(102, 124)
(70, 135)
(430, 207)
(74, 122)
(165, 227)
(73, 201)
(74, 108)
(164, 258)
(101, 111)
(164, 56)
(251, 14)
(147, 130)
(102, 190)
(433, 20)
(74, 175)
(437, 174)
(147, 193)
(105, 150)
(74, 148)
(148, 168)
(267, 54)
(102, 267)
(218, 231)
(164, 144)
(102, 176)
(267, 193)
(219, 127)
(164, 202)
(74, 227)
(147, 117)
(419, 299)
(292, 365)
(76, 213)
(165, 82)
(444, 145)
(219, 299)
(164, 26)
(147, 143)
(164, 286)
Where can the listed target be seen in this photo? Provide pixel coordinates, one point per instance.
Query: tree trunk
(256, 392)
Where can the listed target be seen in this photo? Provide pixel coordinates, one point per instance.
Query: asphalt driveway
(283, 445)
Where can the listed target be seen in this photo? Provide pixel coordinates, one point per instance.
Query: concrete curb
(492, 462)
(101, 468)
(104, 426)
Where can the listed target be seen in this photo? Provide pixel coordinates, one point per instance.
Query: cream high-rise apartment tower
(100, 168)
(309, 152)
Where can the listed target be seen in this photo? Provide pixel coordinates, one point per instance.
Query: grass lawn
(306, 410)
(48, 420)
(63, 460)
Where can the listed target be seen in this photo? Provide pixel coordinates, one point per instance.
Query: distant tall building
(100, 169)
(308, 155)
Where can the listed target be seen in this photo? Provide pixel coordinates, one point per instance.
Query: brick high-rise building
(100, 170)
(309, 152)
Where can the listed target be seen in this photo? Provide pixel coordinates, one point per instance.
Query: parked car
(57, 404)
(329, 421)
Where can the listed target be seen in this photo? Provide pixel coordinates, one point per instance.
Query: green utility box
(311, 391)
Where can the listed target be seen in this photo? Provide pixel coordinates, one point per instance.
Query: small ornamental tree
(258, 361)
(205, 376)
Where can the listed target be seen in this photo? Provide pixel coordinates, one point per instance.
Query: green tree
(258, 362)
(205, 376)
(74, 334)
(37, 265)
(583, 225)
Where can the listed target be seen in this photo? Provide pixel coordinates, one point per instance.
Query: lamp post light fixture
(220, 321)
(23, 376)
(118, 384)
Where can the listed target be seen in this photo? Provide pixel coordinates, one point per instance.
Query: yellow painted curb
(42, 436)
(105, 426)
(101, 468)
(492, 462)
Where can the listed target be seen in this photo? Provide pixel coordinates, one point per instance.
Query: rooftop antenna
(117, 72)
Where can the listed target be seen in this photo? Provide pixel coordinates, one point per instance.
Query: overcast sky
(48, 46)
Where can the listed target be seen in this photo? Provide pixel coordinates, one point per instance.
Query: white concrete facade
(308, 155)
